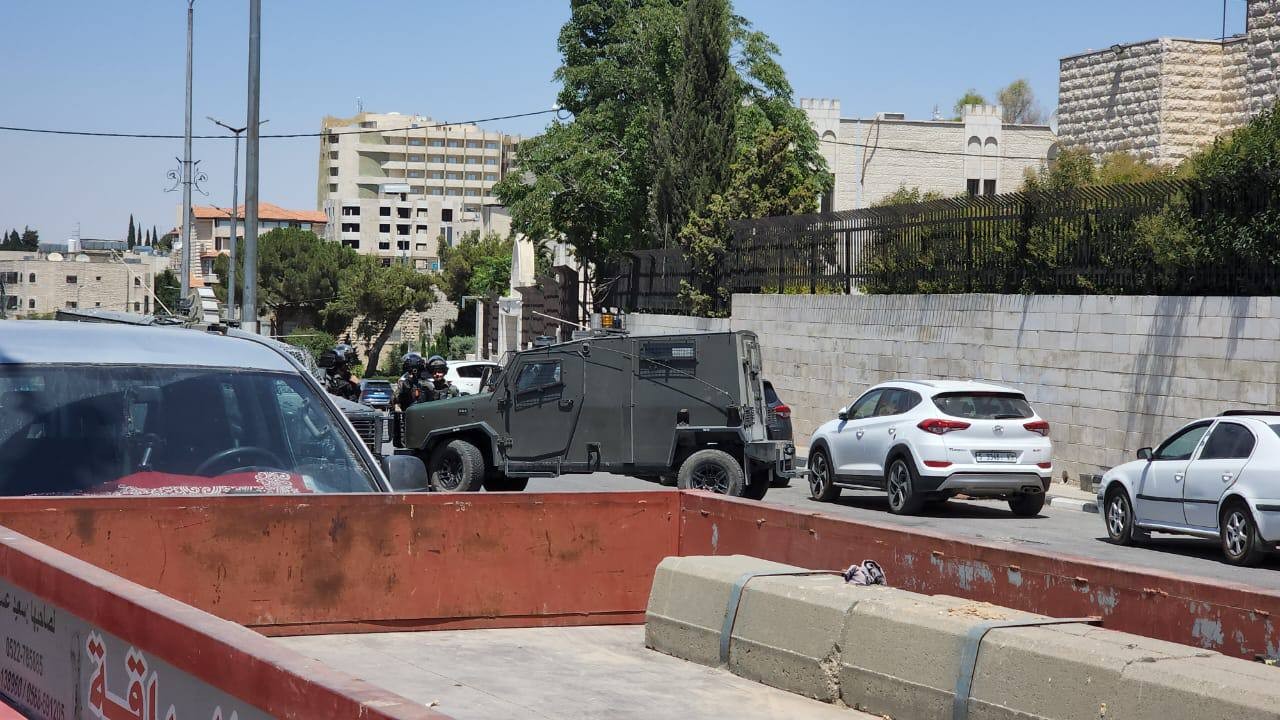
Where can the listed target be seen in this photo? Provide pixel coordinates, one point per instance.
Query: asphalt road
(1055, 530)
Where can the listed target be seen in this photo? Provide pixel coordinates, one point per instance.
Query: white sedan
(1214, 478)
(465, 374)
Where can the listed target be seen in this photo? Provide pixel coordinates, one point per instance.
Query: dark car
(376, 394)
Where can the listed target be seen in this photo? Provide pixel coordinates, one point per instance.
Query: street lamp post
(185, 276)
(249, 316)
(235, 194)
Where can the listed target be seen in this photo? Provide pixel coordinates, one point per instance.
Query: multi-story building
(39, 283)
(871, 158)
(1163, 99)
(392, 185)
(211, 232)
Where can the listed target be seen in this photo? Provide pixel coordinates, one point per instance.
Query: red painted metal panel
(368, 562)
(233, 659)
(1230, 618)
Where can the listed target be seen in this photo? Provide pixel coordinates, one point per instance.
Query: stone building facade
(1163, 99)
(871, 158)
(35, 285)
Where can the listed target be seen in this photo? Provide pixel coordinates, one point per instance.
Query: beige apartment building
(211, 233)
(38, 283)
(871, 158)
(1164, 99)
(392, 185)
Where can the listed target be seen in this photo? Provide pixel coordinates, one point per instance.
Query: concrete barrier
(899, 654)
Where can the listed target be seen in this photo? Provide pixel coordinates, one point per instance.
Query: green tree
(695, 144)
(908, 196)
(155, 237)
(1073, 168)
(168, 288)
(313, 340)
(132, 237)
(764, 183)
(378, 297)
(970, 97)
(476, 265)
(1019, 105)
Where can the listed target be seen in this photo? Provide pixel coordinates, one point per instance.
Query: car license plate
(995, 456)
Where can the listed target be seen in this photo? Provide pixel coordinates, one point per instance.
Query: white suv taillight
(783, 412)
(941, 427)
(1039, 427)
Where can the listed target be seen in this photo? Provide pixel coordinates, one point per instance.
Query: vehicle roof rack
(1236, 413)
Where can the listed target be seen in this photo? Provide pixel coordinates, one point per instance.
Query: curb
(1069, 503)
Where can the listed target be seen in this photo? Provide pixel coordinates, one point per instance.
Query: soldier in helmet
(436, 368)
(338, 378)
(412, 387)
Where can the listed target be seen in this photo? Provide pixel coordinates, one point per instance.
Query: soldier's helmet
(412, 362)
(345, 353)
(437, 364)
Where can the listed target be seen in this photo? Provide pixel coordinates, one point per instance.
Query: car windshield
(983, 405)
(130, 430)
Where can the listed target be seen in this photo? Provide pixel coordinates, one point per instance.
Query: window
(436, 158)
(369, 124)
(402, 213)
(333, 172)
(491, 177)
(455, 159)
(422, 213)
(9, 278)
(415, 158)
(491, 145)
(1228, 441)
(384, 212)
(491, 161)
(455, 143)
(333, 187)
(31, 303)
(473, 161)
(988, 187)
(137, 307)
(71, 304)
(384, 244)
(446, 215)
(402, 244)
(97, 304)
(351, 227)
(402, 229)
(436, 142)
(895, 402)
(31, 277)
(473, 176)
(473, 192)
(353, 244)
(538, 376)
(72, 279)
(474, 144)
(415, 190)
(454, 192)
(11, 302)
(865, 405)
(333, 138)
(972, 186)
(435, 191)
(420, 246)
(1182, 444)
(983, 405)
(453, 176)
(333, 154)
(386, 262)
(385, 228)
(137, 282)
(304, 226)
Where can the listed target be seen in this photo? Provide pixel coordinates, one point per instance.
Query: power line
(324, 133)
(930, 152)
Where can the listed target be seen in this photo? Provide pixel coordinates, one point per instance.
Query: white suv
(927, 441)
(1214, 478)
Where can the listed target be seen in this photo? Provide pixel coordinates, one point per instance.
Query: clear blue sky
(118, 66)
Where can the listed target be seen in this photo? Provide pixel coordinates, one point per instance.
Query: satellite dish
(55, 257)
(82, 258)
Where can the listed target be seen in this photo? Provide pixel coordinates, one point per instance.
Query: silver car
(1213, 478)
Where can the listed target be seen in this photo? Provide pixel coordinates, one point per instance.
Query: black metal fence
(1165, 237)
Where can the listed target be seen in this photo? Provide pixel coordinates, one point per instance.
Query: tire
(1241, 543)
(456, 466)
(821, 477)
(901, 482)
(1027, 504)
(1117, 515)
(714, 471)
(497, 482)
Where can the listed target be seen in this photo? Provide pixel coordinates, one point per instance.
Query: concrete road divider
(906, 655)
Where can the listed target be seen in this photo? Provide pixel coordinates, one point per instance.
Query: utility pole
(185, 275)
(249, 316)
(235, 194)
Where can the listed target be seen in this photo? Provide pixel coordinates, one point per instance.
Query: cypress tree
(132, 238)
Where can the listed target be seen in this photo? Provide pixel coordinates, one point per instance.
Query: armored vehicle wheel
(456, 466)
(714, 471)
(497, 482)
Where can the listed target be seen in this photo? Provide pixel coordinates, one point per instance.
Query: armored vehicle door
(541, 410)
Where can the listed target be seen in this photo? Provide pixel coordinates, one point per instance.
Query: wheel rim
(899, 484)
(1237, 533)
(450, 473)
(710, 476)
(1117, 516)
(818, 475)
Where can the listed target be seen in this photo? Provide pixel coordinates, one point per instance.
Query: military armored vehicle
(684, 409)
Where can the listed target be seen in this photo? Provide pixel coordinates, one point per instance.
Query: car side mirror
(1145, 454)
(406, 473)
(843, 415)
